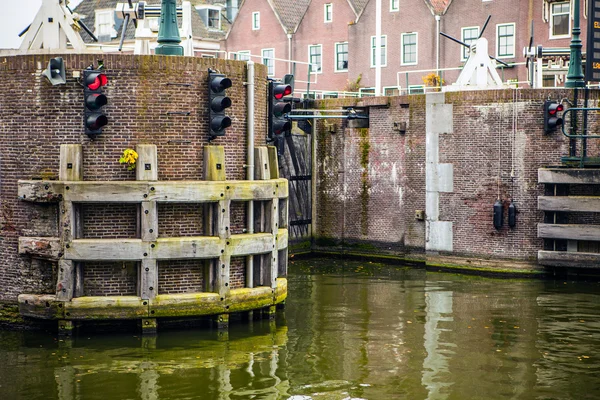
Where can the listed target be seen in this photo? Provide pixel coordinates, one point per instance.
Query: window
(214, 19)
(505, 41)
(255, 21)
(468, 36)
(105, 22)
(341, 56)
(383, 51)
(560, 19)
(328, 12)
(242, 55)
(315, 58)
(391, 91)
(268, 56)
(409, 49)
(394, 5)
(416, 89)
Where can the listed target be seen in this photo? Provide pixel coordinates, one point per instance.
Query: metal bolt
(223, 266)
(46, 187)
(151, 288)
(145, 195)
(153, 245)
(152, 188)
(151, 230)
(67, 246)
(147, 269)
(145, 254)
(67, 188)
(146, 212)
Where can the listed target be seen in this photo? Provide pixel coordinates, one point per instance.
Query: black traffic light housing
(218, 102)
(279, 107)
(94, 118)
(551, 117)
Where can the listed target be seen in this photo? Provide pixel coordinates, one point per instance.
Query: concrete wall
(144, 94)
(460, 151)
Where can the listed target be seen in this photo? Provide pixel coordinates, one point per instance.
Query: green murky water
(350, 331)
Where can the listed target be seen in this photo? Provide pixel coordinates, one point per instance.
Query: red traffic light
(554, 108)
(281, 90)
(95, 80)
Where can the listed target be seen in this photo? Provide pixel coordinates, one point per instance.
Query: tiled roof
(290, 12)
(86, 10)
(358, 6)
(438, 7)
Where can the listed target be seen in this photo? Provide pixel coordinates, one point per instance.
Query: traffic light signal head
(551, 117)
(278, 108)
(94, 118)
(218, 103)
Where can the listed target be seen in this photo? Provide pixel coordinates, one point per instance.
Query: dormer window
(104, 26)
(210, 15)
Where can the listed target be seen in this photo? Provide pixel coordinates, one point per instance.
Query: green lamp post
(575, 73)
(168, 34)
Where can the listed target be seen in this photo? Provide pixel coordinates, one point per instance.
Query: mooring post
(148, 326)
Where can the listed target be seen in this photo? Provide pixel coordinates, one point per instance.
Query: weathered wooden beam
(273, 162)
(197, 247)
(568, 259)
(574, 176)
(569, 203)
(187, 305)
(567, 231)
(107, 307)
(42, 247)
(133, 307)
(146, 166)
(149, 221)
(262, 169)
(163, 192)
(148, 287)
(106, 250)
(40, 191)
(214, 163)
(65, 281)
(71, 162)
(44, 306)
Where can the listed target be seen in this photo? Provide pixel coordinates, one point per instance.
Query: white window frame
(514, 40)
(256, 20)
(394, 5)
(402, 36)
(464, 52)
(392, 88)
(335, 57)
(551, 20)
(242, 53)
(272, 57)
(419, 89)
(329, 14)
(310, 47)
(110, 13)
(383, 50)
(218, 11)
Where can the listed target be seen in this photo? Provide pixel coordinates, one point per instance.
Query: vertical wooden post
(274, 214)
(70, 275)
(262, 215)
(146, 170)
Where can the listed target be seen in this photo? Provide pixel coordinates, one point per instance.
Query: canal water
(350, 330)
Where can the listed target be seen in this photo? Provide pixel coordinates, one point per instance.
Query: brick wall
(371, 181)
(144, 93)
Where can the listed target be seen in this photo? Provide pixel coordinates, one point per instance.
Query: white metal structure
(479, 71)
(52, 28)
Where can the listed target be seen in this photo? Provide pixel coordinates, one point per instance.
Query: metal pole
(378, 48)
(250, 168)
(168, 33)
(575, 74)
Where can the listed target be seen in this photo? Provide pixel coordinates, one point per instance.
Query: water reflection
(350, 331)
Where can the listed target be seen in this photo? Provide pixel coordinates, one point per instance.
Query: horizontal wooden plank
(44, 306)
(569, 203)
(199, 247)
(105, 192)
(160, 191)
(42, 247)
(106, 250)
(568, 231)
(573, 176)
(40, 191)
(133, 307)
(106, 307)
(568, 259)
(187, 305)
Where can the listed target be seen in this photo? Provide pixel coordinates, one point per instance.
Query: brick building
(338, 36)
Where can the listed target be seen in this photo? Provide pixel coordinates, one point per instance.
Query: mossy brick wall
(146, 95)
(371, 181)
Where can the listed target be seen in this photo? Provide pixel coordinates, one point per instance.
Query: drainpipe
(437, 44)
(250, 167)
(289, 36)
(378, 48)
